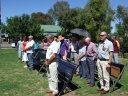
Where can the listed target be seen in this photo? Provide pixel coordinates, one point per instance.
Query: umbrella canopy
(80, 32)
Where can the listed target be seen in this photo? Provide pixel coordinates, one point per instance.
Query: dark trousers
(90, 70)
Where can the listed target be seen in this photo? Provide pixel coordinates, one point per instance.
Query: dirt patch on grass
(70, 94)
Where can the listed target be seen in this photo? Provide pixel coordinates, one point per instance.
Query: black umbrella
(80, 32)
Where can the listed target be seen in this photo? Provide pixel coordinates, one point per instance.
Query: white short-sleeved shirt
(81, 51)
(53, 48)
(30, 43)
(104, 54)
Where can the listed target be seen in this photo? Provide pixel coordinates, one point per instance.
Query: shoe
(48, 91)
(76, 74)
(87, 83)
(104, 91)
(100, 89)
(53, 95)
(25, 66)
(91, 85)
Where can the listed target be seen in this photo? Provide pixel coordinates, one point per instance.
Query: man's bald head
(87, 40)
(103, 35)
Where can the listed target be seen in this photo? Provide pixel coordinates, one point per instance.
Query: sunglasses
(102, 35)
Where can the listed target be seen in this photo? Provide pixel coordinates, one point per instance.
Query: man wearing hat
(63, 47)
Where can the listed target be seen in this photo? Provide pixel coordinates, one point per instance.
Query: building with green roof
(51, 29)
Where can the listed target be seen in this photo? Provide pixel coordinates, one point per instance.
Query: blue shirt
(81, 51)
(36, 45)
(104, 49)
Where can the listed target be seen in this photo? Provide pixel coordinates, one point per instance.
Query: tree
(57, 8)
(99, 15)
(122, 25)
(70, 19)
(42, 18)
(122, 18)
(22, 25)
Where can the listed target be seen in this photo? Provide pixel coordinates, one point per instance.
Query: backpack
(118, 44)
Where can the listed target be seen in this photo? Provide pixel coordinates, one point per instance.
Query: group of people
(26, 47)
(85, 54)
(82, 52)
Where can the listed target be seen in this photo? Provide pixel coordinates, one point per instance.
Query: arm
(110, 57)
(95, 51)
(80, 57)
(17, 44)
(110, 54)
(29, 47)
(53, 57)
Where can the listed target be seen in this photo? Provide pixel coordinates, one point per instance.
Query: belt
(74, 52)
(103, 59)
(89, 56)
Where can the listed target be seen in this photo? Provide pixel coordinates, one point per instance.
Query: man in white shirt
(51, 63)
(29, 49)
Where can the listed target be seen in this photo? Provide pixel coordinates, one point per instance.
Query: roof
(51, 28)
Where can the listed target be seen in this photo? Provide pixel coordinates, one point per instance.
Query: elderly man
(51, 63)
(105, 54)
(91, 53)
(29, 49)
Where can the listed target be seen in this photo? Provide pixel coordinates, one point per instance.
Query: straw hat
(60, 37)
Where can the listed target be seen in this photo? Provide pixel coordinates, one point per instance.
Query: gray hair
(113, 37)
(31, 36)
(50, 36)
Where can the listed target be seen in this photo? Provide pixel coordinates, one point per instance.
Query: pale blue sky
(18, 7)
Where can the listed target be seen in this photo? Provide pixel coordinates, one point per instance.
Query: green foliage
(42, 18)
(70, 19)
(122, 19)
(18, 26)
(95, 17)
(99, 15)
(57, 8)
(122, 26)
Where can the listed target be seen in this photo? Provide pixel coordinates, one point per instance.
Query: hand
(24, 50)
(96, 63)
(108, 65)
(46, 63)
(78, 59)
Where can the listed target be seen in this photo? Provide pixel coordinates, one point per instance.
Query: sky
(18, 7)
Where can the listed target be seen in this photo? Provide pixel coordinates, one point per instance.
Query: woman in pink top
(25, 58)
(45, 45)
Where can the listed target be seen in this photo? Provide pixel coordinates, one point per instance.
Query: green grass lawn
(18, 81)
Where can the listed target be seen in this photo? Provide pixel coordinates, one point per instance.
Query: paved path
(5, 45)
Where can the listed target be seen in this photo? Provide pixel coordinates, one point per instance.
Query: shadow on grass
(70, 87)
(40, 69)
